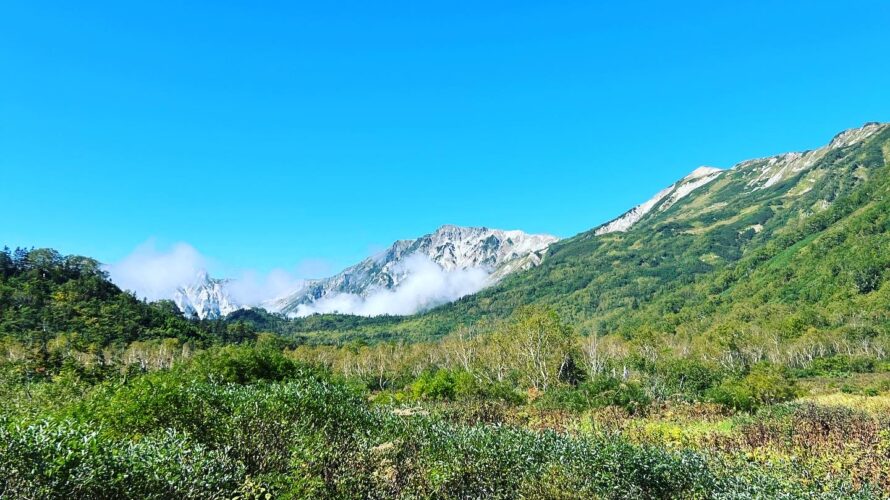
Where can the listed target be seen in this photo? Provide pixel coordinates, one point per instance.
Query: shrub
(687, 377)
(596, 393)
(438, 385)
(837, 366)
(246, 364)
(452, 385)
(306, 428)
(433, 459)
(65, 459)
(764, 384)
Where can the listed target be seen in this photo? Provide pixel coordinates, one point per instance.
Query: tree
(540, 344)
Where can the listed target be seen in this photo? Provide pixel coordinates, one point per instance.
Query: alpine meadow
(363, 319)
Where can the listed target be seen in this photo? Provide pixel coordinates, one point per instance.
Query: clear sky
(305, 135)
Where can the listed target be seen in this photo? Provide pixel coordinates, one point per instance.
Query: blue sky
(305, 135)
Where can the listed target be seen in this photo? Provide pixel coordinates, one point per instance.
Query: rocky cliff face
(205, 298)
(451, 248)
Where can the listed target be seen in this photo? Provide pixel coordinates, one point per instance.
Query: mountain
(677, 250)
(806, 227)
(759, 174)
(425, 272)
(454, 250)
(782, 245)
(205, 298)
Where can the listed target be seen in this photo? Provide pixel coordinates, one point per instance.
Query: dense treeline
(535, 355)
(44, 294)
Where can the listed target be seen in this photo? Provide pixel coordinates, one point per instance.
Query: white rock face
(663, 200)
(490, 253)
(205, 298)
(767, 172)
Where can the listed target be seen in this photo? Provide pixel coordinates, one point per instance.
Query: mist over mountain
(410, 276)
(452, 262)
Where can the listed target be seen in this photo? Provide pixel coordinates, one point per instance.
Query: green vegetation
(45, 296)
(525, 408)
(734, 345)
(249, 421)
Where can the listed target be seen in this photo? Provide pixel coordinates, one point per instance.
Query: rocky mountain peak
(205, 298)
(450, 248)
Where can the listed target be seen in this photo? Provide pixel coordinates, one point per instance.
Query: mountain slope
(662, 201)
(602, 280)
(410, 276)
(453, 249)
(797, 235)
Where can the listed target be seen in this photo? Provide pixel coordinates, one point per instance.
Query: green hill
(46, 296)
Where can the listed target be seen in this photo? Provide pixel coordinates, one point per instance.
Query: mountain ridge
(731, 207)
(452, 248)
(205, 298)
(704, 232)
(494, 252)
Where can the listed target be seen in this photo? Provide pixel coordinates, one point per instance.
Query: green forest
(734, 345)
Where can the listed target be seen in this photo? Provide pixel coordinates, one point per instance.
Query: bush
(597, 393)
(433, 459)
(837, 366)
(438, 385)
(303, 436)
(687, 377)
(246, 364)
(453, 385)
(67, 460)
(764, 384)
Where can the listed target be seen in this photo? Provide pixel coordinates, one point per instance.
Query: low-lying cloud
(253, 289)
(425, 285)
(154, 274)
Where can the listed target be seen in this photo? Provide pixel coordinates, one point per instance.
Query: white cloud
(426, 285)
(155, 274)
(252, 288)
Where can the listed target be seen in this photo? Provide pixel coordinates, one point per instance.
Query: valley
(728, 338)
